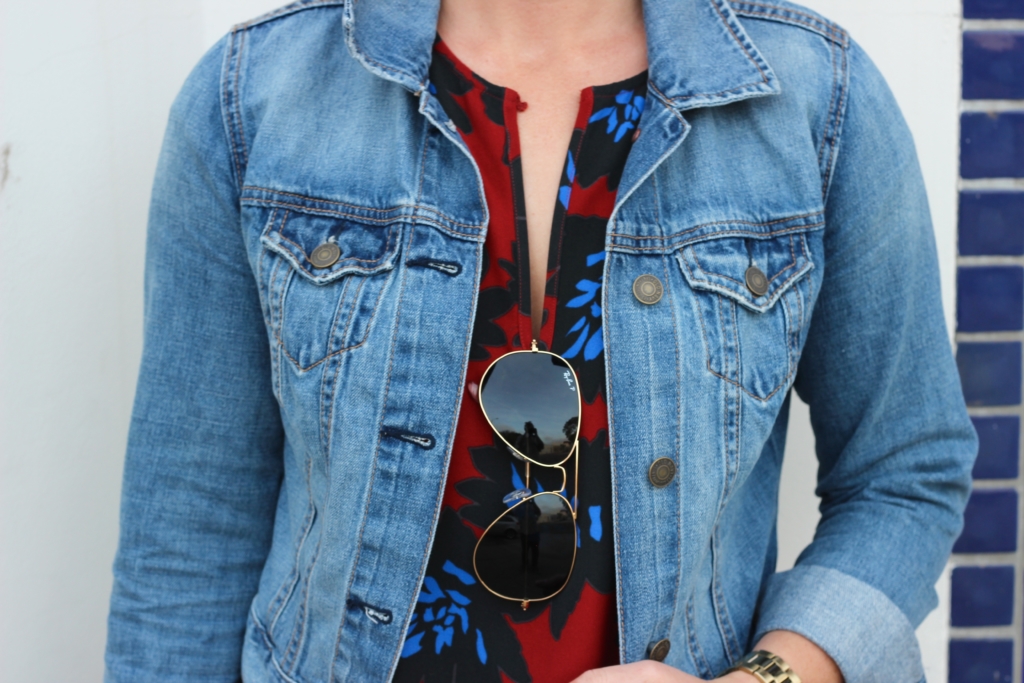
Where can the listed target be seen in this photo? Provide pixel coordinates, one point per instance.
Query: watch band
(766, 667)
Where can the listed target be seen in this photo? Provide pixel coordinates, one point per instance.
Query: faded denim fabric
(293, 424)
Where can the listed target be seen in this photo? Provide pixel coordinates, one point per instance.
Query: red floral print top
(460, 631)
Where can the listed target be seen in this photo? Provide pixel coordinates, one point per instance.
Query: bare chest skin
(549, 78)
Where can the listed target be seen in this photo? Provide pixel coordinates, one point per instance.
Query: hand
(649, 671)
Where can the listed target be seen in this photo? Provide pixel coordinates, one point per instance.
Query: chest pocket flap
(324, 276)
(753, 297)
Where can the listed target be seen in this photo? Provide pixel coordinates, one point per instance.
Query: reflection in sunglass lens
(532, 401)
(528, 552)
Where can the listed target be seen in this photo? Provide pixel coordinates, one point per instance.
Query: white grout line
(982, 632)
(995, 411)
(983, 559)
(995, 484)
(991, 105)
(1015, 336)
(972, 261)
(993, 24)
(973, 184)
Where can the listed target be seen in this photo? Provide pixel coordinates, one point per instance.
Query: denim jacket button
(659, 650)
(326, 255)
(647, 289)
(662, 471)
(757, 283)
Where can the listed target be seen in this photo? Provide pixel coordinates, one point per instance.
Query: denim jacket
(274, 528)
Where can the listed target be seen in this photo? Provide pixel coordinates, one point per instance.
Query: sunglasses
(532, 402)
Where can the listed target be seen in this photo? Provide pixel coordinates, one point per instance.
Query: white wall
(85, 86)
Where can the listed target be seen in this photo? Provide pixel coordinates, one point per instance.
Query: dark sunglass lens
(528, 553)
(531, 400)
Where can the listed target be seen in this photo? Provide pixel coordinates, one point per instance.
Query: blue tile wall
(990, 523)
(998, 447)
(993, 9)
(990, 372)
(991, 224)
(993, 63)
(982, 596)
(991, 299)
(986, 590)
(992, 145)
(980, 661)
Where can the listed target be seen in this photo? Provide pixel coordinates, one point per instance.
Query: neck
(542, 34)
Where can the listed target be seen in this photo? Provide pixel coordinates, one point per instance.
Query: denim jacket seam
(718, 4)
(369, 483)
(406, 218)
(679, 406)
(456, 412)
(836, 118)
(700, 226)
(799, 273)
(671, 243)
(334, 353)
(291, 8)
(277, 604)
(725, 626)
(269, 645)
(277, 328)
(707, 346)
(302, 618)
(679, 409)
(276, 301)
(298, 247)
(779, 13)
(231, 108)
(356, 207)
(293, 575)
(775, 277)
(368, 62)
(612, 454)
(700, 660)
(327, 401)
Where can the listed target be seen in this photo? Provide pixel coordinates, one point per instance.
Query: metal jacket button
(757, 283)
(662, 471)
(647, 289)
(326, 255)
(660, 650)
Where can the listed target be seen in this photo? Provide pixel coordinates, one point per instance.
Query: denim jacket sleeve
(894, 443)
(203, 465)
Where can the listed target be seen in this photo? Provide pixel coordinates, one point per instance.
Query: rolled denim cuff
(864, 632)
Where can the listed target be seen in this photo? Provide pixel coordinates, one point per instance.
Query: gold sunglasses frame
(574, 450)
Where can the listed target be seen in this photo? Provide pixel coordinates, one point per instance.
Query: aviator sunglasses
(531, 400)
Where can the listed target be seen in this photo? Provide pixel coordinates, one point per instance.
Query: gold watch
(766, 667)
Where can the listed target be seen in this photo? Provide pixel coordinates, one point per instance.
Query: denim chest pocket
(752, 326)
(323, 278)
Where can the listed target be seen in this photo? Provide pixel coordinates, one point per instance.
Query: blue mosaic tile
(992, 145)
(980, 661)
(990, 523)
(982, 596)
(990, 372)
(991, 223)
(993, 9)
(993, 65)
(990, 299)
(998, 450)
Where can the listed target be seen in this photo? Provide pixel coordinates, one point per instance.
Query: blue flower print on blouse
(623, 116)
(443, 613)
(588, 327)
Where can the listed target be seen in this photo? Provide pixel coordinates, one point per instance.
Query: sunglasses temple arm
(576, 483)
